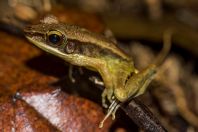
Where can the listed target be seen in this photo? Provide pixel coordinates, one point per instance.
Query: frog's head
(49, 35)
(60, 40)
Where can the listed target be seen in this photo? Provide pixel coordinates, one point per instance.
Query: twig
(142, 116)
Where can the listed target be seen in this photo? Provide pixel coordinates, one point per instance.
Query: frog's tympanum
(82, 47)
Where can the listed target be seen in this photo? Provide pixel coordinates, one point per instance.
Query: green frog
(81, 47)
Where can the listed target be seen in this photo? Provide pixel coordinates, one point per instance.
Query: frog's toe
(115, 110)
(110, 95)
(110, 98)
(111, 111)
(104, 104)
(104, 95)
(107, 95)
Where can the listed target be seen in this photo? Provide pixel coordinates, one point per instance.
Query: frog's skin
(81, 47)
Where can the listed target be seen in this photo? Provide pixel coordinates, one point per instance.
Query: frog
(82, 47)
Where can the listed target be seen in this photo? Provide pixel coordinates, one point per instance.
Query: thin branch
(142, 116)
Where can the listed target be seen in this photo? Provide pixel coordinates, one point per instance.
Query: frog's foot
(104, 95)
(96, 80)
(70, 74)
(114, 106)
(111, 111)
(107, 94)
(110, 96)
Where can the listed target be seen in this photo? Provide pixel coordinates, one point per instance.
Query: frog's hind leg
(111, 111)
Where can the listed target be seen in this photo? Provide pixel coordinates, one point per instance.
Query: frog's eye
(54, 37)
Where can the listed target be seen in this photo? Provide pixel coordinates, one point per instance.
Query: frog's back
(86, 36)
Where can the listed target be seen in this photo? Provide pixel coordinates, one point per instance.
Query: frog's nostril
(27, 29)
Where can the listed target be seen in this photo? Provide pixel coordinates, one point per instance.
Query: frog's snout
(32, 31)
(28, 31)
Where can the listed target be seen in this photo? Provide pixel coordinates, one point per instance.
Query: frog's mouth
(38, 39)
(33, 35)
(45, 47)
